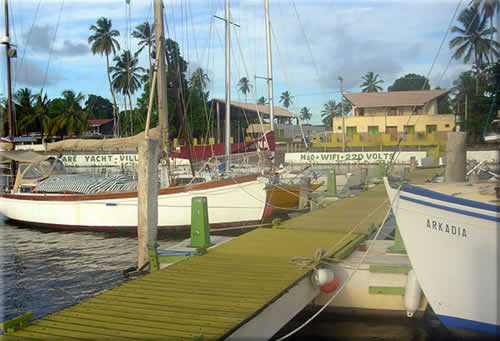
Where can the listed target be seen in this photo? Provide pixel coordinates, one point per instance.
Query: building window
(409, 130)
(393, 111)
(361, 111)
(351, 131)
(339, 128)
(430, 128)
(372, 130)
(446, 125)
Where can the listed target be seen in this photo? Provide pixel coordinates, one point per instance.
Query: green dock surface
(214, 294)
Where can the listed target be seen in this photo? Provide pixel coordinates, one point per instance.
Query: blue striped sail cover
(86, 184)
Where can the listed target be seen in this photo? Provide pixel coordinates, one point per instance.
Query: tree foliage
(371, 82)
(410, 82)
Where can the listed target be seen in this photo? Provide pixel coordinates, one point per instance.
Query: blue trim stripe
(451, 209)
(469, 324)
(449, 198)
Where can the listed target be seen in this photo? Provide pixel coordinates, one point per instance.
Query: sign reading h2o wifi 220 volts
(353, 157)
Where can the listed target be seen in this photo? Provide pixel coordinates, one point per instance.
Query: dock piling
(147, 197)
(455, 157)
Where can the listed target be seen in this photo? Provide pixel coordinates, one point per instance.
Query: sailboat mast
(162, 87)
(270, 74)
(228, 90)
(6, 41)
(269, 66)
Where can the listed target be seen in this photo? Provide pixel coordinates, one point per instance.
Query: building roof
(394, 98)
(99, 122)
(263, 108)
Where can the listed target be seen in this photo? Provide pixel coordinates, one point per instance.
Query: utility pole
(342, 110)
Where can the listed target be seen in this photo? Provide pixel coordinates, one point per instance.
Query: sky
(313, 43)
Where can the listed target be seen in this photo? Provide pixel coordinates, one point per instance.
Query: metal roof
(394, 98)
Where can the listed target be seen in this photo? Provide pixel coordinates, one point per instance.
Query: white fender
(413, 294)
(322, 277)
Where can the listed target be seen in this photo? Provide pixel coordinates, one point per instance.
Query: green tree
(126, 75)
(262, 100)
(371, 82)
(98, 107)
(489, 7)
(23, 103)
(103, 42)
(305, 114)
(286, 99)
(70, 118)
(199, 79)
(146, 35)
(38, 119)
(330, 110)
(244, 86)
(472, 38)
(410, 82)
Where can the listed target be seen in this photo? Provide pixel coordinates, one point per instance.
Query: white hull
(452, 244)
(230, 203)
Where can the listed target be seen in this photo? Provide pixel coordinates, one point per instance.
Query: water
(44, 271)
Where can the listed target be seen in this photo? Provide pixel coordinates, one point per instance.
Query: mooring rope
(387, 215)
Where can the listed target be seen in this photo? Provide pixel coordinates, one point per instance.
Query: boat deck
(213, 295)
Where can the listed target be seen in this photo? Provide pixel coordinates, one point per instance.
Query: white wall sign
(107, 160)
(352, 157)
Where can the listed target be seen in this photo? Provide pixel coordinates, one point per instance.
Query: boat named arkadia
(452, 234)
(111, 204)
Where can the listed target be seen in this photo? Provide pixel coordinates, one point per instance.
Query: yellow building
(395, 113)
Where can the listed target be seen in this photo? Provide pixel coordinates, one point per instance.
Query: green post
(381, 169)
(154, 262)
(331, 187)
(399, 245)
(200, 232)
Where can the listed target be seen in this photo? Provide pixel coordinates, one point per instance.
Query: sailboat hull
(453, 245)
(238, 201)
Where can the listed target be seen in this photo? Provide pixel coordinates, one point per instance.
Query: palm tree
(146, 35)
(305, 114)
(371, 82)
(245, 86)
(199, 79)
(261, 100)
(472, 37)
(126, 75)
(103, 42)
(489, 8)
(286, 99)
(38, 117)
(330, 110)
(72, 119)
(23, 99)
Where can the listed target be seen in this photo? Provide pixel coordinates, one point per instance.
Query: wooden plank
(392, 269)
(146, 310)
(118, 325)
(386, 290)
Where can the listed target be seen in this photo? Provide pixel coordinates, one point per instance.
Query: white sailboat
(234, 201)
(452, 235)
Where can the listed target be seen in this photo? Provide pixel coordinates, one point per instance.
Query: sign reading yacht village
(104, 160)
(353, 157)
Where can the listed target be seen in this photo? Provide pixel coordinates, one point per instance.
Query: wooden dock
(213, 295)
